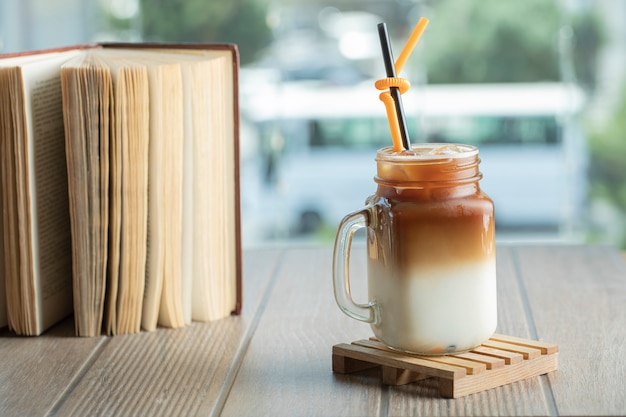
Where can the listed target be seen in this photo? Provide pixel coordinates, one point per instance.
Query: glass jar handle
(341, 265)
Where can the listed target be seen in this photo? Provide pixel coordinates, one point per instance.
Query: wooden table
(275, 359)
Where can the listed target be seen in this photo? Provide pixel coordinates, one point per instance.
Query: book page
(231, 190)
(115, 210)
(208, 263)
(196, 194)
(87, 105)
(162, 299)
(209, 225)
(214, 291)
(127, 134)
(5, 103)
(12, 128)
(187, 227)
(132, 135)
(47, 190)
(129, 196)
(210, 183)
(166, 190)
(3, 301)
(227, 180)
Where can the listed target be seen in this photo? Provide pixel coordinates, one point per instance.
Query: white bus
(317, 148)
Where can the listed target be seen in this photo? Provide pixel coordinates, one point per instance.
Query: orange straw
(385, 84)
(392, 116)
(410, 43)
(402, 84)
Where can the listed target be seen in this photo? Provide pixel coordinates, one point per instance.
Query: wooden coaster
(499, 361)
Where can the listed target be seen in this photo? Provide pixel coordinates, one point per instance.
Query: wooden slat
(509, 357)
(489, 361)
(470, 367)
(364, 350)
(526, 352)
(545, 348)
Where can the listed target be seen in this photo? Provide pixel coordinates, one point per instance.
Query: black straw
(395, 92)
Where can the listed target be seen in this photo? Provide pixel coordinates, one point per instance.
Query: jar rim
(428, 152)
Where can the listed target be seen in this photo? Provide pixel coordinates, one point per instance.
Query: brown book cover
(28, 302)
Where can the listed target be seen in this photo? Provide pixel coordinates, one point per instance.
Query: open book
(120, 186)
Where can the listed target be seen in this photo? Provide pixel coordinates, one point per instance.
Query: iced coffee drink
(431, 251)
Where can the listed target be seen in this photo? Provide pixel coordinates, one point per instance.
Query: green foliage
(233, 21)
(608, 161)
(589, 36)
(493, 41)
(476, 41)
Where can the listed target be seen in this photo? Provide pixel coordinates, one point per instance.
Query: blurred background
(538, 85)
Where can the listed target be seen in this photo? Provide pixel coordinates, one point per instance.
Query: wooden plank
(291, 353)
(36, 371)
(173, 371)
(577, 295)
(287, 367)
(570, 295)
(165, 372)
